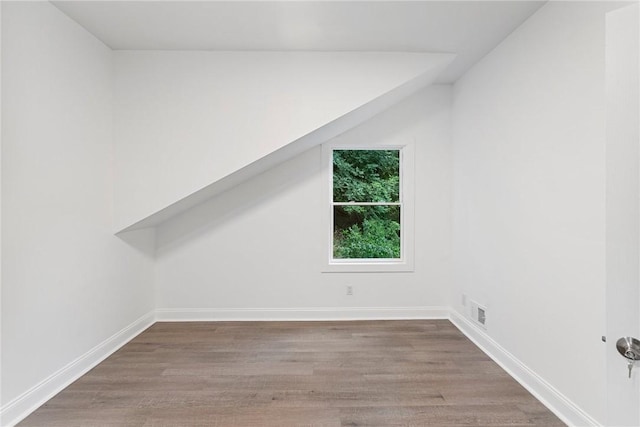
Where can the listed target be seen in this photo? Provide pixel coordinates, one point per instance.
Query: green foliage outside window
(366, 231)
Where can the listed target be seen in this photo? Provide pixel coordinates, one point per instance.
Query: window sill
(372, 267)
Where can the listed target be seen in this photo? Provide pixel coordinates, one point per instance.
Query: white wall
(68, 284)
(185, 120)
(260, 245)
(529, 197)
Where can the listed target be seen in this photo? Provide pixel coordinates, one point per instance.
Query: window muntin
(367, 205)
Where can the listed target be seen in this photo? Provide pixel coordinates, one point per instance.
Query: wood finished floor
(364, 373)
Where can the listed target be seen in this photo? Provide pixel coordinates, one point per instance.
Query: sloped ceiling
(211, 93)
(192, 124)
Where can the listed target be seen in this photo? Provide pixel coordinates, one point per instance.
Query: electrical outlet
(349, 290)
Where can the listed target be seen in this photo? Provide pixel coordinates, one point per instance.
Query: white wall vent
(478, 314)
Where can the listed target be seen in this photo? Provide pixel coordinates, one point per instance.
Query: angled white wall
(257, 251)
(68, 284)
(187, 120)
(529, 198)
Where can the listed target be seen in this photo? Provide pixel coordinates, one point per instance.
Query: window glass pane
(366, 175)
(363, 232)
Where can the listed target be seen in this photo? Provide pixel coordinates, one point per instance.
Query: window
(366, 204)
(370, 219)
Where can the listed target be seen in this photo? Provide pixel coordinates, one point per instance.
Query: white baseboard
(20, 407)
(557, 403)
(302, 314)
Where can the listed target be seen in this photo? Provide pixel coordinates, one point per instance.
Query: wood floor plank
(362, 373)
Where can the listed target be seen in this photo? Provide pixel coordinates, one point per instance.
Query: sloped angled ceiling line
(316, 137)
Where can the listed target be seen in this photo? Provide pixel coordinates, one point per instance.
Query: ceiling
(468, 28)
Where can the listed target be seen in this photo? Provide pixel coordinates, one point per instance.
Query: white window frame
(406, 261)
